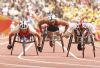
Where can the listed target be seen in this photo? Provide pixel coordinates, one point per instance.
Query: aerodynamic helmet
(51, 17)
(23, 25)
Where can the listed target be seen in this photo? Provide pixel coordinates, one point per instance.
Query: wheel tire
(9, 46)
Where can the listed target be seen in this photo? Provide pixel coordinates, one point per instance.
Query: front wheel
(9, 46)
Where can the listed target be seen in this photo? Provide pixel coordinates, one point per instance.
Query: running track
(48, 59)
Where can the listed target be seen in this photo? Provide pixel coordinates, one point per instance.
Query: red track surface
(48, 59)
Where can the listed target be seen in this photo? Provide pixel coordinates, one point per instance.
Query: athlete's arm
(63, 23)
(41, 22)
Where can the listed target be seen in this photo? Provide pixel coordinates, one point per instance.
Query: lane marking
(71, 64)
(69, 51)
(65, 49)
(26, 49)
(56, 62)
(82, 65)
(19, 65)
(77, 57)
(60, 45)
(84, 59)
(61, 63)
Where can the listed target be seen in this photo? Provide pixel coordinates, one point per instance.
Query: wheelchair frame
(23, 41)
(83, 42)
(53, 39)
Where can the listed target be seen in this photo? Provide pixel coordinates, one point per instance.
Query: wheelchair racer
(53, 24)
(80, 24)
(23, 26)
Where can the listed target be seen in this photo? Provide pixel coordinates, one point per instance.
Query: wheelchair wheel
(9, 46)
(23, 44)
(52, 43)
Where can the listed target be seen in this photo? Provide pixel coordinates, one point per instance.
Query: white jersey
(18, 27)
(73, 26)
(90, 26)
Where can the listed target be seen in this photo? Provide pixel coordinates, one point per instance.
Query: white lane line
(17, 65)
(70, 64)
(53, 62)
(20, 65)
(60, 45)
(82, 65)
(77, 57)
(26, 49)
(32, 44)
(69, 51)
(65, 49)
(20, 56)
(41, 61)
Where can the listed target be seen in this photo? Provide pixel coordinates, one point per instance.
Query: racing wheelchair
(52, 38)
(24, 37)
(81, 36)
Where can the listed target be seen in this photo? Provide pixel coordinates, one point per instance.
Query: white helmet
(23, 25)
(51, 17)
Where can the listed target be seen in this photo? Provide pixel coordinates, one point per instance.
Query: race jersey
(24, 33)
(53, 28)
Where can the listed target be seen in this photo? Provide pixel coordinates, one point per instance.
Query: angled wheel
(23, 45)
(92, 42)
(69, 44)
(13, 43)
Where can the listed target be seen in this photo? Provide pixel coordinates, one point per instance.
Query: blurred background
(64, 9)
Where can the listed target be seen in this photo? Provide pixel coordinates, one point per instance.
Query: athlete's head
(51, 17)
(23, 25)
